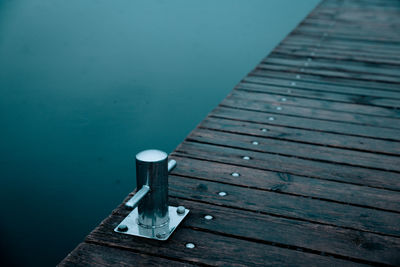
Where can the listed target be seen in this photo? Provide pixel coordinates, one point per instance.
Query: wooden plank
(335, 30)
(303, 136)
(353, 68)
(290, 184)
(297, 235)
(331, 73)
(87, 254)
(374, 112)
(257, 102)
(287, 206)
(348, 36)
(386, 98)
(291, 165)
(324, 53)
(282, 87)
(299, 150)
(309, 124)
(321, 27)
(315, 42)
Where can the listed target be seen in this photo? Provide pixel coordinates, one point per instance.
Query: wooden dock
(306, 148)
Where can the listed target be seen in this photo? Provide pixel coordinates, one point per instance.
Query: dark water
(85, 85)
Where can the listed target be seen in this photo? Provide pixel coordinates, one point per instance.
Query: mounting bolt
(122, 228)
(180, 210)
(161, 235)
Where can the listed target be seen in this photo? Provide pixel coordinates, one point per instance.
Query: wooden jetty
(306, 148)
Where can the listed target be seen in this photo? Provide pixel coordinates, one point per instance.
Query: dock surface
(299, 165)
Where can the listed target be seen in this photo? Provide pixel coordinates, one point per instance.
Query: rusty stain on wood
(307, 149)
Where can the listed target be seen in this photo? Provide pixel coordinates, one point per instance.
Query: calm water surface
(85, 85)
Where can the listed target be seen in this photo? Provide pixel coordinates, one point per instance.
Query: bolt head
(222, 194)
(235, 174)
(190, 245)
(271, 118)
(161, 235)
(122, 228)
(180, 210)
(208, 217)
(263, 130)
(246, 158)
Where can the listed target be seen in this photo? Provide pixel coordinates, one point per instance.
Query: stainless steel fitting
(151, 216)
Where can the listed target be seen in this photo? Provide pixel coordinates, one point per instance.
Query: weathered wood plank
(350, 56)
(270, 85)
(331, 73)
(257, 102)
(303, 136)
(307, 83)
(309, 124)
(291, 165)
(371, 111)
(338, 45)
(294, 149)
(291, 184)
(287, 206)
(333, 46)
(352, 68)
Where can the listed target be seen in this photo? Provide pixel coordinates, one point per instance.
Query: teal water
(85, 85)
